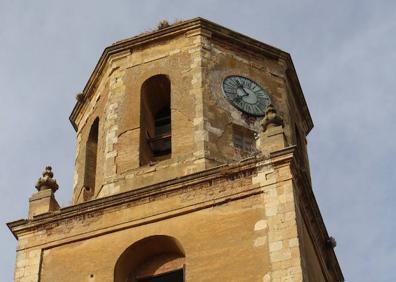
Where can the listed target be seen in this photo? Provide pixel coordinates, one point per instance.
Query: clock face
(246, 95)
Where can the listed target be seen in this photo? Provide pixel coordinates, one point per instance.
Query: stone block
(42, 202)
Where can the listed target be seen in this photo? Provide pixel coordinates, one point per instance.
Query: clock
(246, 95)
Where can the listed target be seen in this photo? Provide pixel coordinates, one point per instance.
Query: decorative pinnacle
(271, 118)
(47, 181)
(331, 242)
(80, 97)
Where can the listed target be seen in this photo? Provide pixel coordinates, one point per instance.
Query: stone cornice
(314, 220)
(210, 30)
(309, 209)
(233, 171)
(284, 157)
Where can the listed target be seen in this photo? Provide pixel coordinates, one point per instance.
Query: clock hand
(243, 90)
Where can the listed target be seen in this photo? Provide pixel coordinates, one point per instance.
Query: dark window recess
(243, 139)
(155, 120)
(91, 160)
(174, 276)
(160, 144)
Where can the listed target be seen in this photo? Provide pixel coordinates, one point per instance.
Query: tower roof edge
(214, 30)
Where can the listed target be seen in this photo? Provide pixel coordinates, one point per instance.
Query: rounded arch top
(158, 85)
(157, 75)
(149, 256)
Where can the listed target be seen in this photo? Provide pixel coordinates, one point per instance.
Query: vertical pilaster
(27, 265)
(115, 97)
(198, 50)
(279, 219)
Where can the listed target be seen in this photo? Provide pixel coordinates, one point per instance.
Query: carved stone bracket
(272, 137)
(271, 119)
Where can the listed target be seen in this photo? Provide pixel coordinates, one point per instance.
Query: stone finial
(331, 242)
(80, 97)
(163, 24)
(47, 181)
(271, 118)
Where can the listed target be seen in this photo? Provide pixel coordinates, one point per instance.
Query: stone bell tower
(191, 165)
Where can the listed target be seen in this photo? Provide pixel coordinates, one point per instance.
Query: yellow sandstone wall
(238, 224)
(202, 119)
(116, 102)
(220, 116)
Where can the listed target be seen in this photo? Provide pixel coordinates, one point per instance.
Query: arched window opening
(160, 144)
(166, 267)
(153, 259)
(173, 276)
(155, 121)
(91, 160)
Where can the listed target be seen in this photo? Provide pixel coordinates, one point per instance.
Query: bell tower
(191, 165)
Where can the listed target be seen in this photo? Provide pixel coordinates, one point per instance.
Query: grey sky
(344, 53)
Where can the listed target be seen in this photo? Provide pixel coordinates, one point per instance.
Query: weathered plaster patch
(275, 246)
(267, 278)
(214, 130)
(260, 225)
(260, 241)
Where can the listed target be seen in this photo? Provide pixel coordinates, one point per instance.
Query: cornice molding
(313, 220)
(284, 157)
(229, 171)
